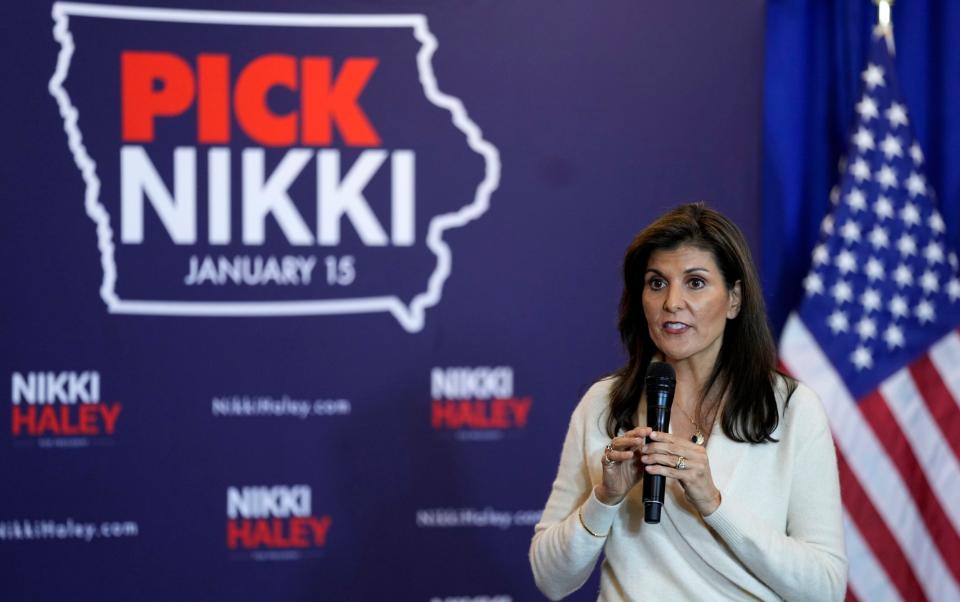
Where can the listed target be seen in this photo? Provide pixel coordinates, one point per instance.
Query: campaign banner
(300, 298)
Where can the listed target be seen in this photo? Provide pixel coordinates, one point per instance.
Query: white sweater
(778, 532)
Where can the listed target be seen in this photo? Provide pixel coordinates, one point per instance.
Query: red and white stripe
(899, 474)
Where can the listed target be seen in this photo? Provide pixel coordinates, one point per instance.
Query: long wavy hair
(745, 373)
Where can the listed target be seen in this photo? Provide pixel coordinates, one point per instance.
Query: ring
(606, 459)
(681, 463)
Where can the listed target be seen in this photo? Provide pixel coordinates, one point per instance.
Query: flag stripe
(868, 460)
(942, 406)
(880, 418)
(869, 580)
(877, 536)
(945, 355)
(905, 393)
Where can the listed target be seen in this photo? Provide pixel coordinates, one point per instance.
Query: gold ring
(606, 458)
(681, 463)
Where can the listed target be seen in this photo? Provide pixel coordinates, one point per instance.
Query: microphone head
(660, 371)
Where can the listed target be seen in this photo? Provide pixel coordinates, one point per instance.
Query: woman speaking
(752, 503)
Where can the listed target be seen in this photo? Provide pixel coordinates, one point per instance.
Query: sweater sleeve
(563, 553)
(808, 561)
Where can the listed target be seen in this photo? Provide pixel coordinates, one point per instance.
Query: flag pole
(884, 21)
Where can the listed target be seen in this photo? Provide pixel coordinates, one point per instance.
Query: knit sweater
(777, 533)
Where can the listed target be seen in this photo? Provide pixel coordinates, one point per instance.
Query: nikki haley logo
(243, 163)
(278, 517)
(60, 409)
(477, 402)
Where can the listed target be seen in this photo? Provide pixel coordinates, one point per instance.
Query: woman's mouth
(675, 327)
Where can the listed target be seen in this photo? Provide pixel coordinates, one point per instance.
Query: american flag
(876, 337)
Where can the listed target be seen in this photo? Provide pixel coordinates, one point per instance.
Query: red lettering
(66, 428)
(521, 410)
(213, 98)
(444, 414)
(238, 530)
(326, 101)
(250, 101)
(320, 527)
(110, 414)
(294, 532)
(479, 414)
(48, 421)
(27, 417)
(142, 101)
(261, 534)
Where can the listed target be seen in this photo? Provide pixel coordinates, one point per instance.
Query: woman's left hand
(661, 456)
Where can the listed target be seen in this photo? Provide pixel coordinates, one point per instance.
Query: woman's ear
(735, 296)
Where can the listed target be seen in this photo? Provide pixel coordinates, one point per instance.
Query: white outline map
(411, 317)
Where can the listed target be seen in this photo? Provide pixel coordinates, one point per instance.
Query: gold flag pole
(884, 22)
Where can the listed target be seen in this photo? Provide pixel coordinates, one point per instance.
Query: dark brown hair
(746, 366)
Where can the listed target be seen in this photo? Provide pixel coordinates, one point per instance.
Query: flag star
(857, 200)
(871, 300)
(910, 214)
(827, 225)
(896, 114)
(916, 184)
(899, 307)
(906, 245)
(860, 170)
(930, 282)
(936, 223)
(820, 254)
(850, 231)
(925, 311)
(916, 153)
(846, 261)
(867, 108)
(861, 358)
(887, 176)
(893, 335)
(838, 322)
(891, 147)
(933, 252)
(863, 139)
(883, 208)
(953, 288)
(813, 284)
(842, 292)
(874, 269)
(903, 276)
(873, 76)
(879, 238)
(866, 328)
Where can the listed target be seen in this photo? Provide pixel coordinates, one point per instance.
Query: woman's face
(687, 304)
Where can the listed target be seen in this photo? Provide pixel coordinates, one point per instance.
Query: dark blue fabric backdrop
(815, 53)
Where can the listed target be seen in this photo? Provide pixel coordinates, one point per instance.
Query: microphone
(661, 383)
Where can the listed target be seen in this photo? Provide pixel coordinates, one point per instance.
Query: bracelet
(580, 514)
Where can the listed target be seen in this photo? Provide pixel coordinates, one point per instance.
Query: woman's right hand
(625, 471)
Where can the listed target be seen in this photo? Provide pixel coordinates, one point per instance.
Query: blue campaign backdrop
(256, 353)
(815, 52)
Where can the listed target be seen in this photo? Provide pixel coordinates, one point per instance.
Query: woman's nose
(673, 300)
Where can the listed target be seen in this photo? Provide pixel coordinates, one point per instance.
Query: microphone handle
(654, 486)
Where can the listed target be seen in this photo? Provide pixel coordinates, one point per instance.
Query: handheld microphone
(661, 383)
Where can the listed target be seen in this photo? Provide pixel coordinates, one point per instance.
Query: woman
(752, 509)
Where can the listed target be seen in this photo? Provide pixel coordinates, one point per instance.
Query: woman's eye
(657, 283)
(697, 283)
